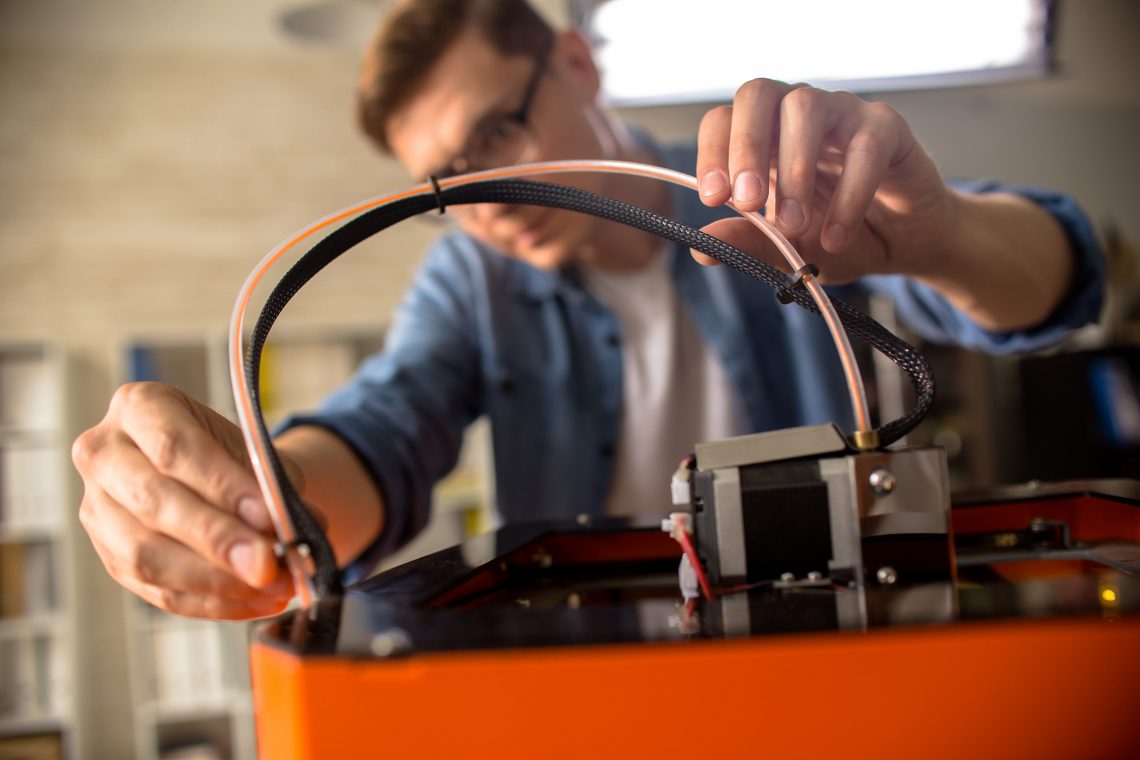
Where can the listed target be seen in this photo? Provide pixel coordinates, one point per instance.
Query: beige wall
(151, 152)
(143, 177)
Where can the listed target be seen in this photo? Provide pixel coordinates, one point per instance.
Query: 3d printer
(811, 595)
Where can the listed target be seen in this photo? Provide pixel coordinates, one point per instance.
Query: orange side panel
(1089, 518)
(1029, 689)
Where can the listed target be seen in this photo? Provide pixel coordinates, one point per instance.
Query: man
(596, 350)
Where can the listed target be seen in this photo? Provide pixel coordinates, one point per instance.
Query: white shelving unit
(38, 648)
(190, 683)
(190, 678)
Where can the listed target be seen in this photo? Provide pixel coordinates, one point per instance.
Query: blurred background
(151, 151)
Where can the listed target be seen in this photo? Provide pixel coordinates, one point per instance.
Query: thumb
(740, 233)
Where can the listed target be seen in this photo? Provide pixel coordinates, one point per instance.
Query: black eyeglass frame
(520, 117)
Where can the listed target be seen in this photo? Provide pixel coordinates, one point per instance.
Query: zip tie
(438, 192)
(784, 294)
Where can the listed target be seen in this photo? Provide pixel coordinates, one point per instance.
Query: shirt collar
(533, 283)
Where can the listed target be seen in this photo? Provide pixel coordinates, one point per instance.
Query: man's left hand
(854, 191)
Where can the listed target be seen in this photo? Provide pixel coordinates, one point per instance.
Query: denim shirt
(479, 333)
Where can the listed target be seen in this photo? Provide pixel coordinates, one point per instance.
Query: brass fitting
(865, 440)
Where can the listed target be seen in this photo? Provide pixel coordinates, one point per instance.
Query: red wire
(691, 553)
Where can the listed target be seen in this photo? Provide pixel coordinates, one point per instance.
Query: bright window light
(678, 51)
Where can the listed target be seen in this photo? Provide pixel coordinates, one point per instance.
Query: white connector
(680, 486)
(687, 579)
(677, 521)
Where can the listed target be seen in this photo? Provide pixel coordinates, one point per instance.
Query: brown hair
(415, 34)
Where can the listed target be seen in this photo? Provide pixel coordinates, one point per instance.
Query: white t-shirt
(675, 391)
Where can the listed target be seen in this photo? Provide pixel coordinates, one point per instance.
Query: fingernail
(834, 237)
(713, 183)
(747, 188)
(254, 513)
(243, 558)
(790, 215)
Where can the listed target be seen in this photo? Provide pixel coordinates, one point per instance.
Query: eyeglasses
(504, 140)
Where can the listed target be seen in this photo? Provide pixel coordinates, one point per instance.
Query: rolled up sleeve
(933, 317)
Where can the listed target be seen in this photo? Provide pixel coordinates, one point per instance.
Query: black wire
(326, 578)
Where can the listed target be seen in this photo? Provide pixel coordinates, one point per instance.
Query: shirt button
(613, 340)
(606, 450)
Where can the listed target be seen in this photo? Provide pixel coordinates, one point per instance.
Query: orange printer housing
(1062, 686)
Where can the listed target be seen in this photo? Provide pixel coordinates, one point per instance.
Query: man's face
(472, 85)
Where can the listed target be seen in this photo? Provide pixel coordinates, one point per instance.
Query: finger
(130, 551)
(867, 155)
(165, 506)
(712, 156)
(703, 258)
(740, 233)
(205, 606)
(804, 121)
(755, 112)
(193, 445)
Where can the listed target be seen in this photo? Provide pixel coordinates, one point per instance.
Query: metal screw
(787, 577)
(815, 575)
(391, 643)
(887, 575)
(584, 520)
(302, 549)
(882, 481)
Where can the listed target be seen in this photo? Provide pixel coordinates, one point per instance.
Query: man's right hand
(173, 508)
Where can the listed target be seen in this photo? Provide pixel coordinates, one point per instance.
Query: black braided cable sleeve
(518, 192)
(326, 578)
(856, 323)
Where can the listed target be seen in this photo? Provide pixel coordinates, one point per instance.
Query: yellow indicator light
(1108, 595)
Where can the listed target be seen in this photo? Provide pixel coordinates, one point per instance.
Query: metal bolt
(815, 575)
(887, 575)
(391, 643)
(302, 549)
(787, 577)
(882, 481)
(585, 520)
